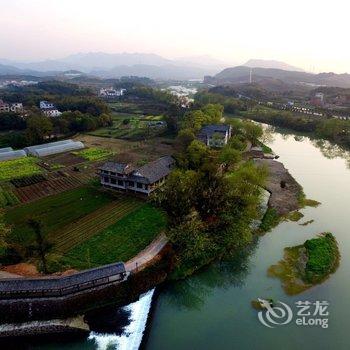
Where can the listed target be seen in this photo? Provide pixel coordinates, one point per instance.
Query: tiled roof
(121, 168)
(37, 284)
(155, 170)
(208, 131)
(148, 173)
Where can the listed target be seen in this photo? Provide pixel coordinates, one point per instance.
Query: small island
(306, 265)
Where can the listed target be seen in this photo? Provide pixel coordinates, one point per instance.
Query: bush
(323, 256)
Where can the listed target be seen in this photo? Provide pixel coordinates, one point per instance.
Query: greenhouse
(32, 149)
(54, 149)
(6, 149)
(12, 155)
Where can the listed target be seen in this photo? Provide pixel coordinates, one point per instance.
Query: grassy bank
(308, 264)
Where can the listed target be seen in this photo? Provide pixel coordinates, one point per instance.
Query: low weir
(132, 336)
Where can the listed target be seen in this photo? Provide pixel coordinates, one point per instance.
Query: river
(212, 309)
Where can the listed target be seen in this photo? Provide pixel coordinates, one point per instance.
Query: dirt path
(145, 256)
(4, 274)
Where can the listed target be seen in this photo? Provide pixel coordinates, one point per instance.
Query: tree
(214, 112)
(195, 120)
(38, 127)
(184, 138)
(177, 194)
(197, 153)
(105, 120)
(252, 132)
(41, 246)
(229, 156)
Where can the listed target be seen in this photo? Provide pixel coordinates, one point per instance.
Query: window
(139, 185)
(120, 183)
(106, 179)
(131, 183)
(113, 181)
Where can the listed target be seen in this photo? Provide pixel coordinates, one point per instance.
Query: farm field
(55, 182)
(132, 151)
(55, 211)
(79, 231)
(11, 169)
(7, 196)
(120, 241)
(130, 127)
(94, 153)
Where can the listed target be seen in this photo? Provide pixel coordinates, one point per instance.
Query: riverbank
(333, 129)
(212, 309)
(285, 190)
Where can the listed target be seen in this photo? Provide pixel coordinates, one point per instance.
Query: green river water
(212, 309)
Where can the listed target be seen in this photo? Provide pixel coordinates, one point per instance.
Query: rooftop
(150, 172)
(121, 168)
(37, 284)
(208, 131)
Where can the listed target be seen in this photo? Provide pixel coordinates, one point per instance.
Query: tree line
(212, 196)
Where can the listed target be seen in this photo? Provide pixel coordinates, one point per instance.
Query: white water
(132, 337)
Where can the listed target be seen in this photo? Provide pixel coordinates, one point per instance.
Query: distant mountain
(121, 64)
(258, 63)
(11, 70)
(241, 74)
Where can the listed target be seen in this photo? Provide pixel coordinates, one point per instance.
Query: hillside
(241, 74)
(258, 63)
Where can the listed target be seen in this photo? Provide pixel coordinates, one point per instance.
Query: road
(145, 256)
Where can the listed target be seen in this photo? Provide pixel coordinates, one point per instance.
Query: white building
(215, 135)
(111, 93)
(52, 112)
(16, 107)
(46, 105)
(143, 180)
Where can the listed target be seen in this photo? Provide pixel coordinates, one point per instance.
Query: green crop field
(120, 241)
(94, 153)
(79, 231)
(128, 126)
(7, 197)
(11, 169)
(55, 211)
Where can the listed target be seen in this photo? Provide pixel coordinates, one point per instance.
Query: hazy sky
(306, 33)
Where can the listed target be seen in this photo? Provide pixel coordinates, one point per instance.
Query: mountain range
(272, 76)
(106, 65)
(116, 65)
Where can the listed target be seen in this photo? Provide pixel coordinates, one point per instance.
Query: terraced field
(79, 231)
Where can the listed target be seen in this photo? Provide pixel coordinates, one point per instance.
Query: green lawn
(120, 241)
(11, 169)
(55, 211)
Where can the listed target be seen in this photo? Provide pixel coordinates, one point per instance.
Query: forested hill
(241, 74)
